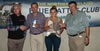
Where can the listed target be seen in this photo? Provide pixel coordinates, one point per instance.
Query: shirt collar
(33, 13)
(75, 12)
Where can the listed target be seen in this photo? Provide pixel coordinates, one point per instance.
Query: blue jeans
(52, 41)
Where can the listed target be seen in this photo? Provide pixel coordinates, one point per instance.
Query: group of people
(76, 24)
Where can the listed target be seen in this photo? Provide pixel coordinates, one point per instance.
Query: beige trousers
(37, 42)
(77, 43)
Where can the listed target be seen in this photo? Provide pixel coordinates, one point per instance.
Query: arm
(87, 28)
(87, 35)
(23, 27)
(61, 22)
(10, 25)
(63, 25)
(85, 23)
(46, 25)
(42, 21)
(27, 23)
(87, 31)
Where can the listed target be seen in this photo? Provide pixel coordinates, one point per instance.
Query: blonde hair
(18, 5)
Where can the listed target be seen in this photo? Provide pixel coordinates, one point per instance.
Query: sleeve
(66, 19)
(10, 25)
(27, 22)
(43, 21)
(25, 32)
(85, 20)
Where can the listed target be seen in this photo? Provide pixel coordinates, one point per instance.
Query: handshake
(23, 27)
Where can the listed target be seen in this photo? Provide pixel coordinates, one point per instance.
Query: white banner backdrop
(92, 9)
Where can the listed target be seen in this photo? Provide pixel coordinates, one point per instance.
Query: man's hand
(63, 25)
(37, 25)
(22, 27)
(87, 35)
(86, 40)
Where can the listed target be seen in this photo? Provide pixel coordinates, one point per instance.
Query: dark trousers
(52, 41)
(15, 45)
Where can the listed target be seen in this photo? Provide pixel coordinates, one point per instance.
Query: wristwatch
(86, 36)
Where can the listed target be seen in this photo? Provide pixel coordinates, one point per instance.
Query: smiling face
(34, 8)
(17, 9)
(53, 13)
(72, 7)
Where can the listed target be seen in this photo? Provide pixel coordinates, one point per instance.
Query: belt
(36, 33)
(77, 34)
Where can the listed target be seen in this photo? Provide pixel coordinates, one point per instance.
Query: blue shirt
(76, 23)
(40, 19)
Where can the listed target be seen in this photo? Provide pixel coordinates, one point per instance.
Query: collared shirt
(76, 23)
(40, 19)
(10, 25)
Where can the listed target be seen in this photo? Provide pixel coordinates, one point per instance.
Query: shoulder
(23, 16)
(11, 15)
(81, 12)
(29, 15)
(46, 21)
(68, 15)
(40, 13)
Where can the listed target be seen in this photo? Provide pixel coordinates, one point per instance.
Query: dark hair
(35, 4)
(54, 8)
(72, 2)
